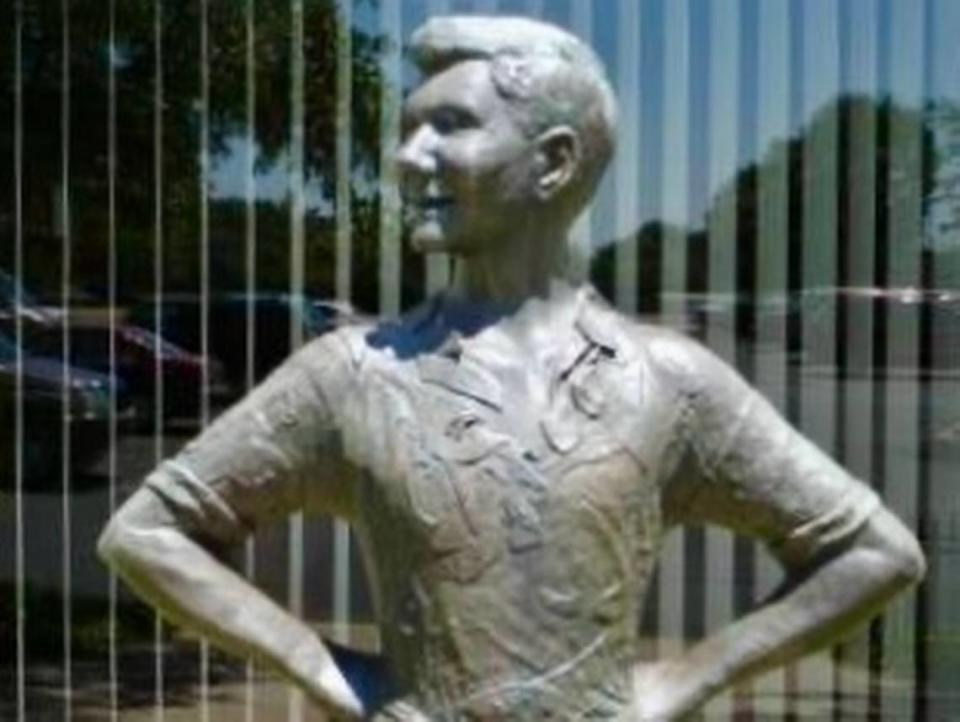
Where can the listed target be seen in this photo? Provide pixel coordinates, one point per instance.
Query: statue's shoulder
(392, 340)
(667, 347)
(641, 337)
(341, 351)
(371, 342)
(676, 357)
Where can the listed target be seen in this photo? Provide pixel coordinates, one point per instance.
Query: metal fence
(786, 187)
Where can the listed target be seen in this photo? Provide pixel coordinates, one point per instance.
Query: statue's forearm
(814, 607)
(193, 588)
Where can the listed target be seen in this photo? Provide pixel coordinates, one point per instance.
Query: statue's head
(513, 123)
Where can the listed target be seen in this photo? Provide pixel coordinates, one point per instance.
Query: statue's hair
(549, 76)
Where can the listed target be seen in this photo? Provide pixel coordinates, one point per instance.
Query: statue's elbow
(911, 562)
(128, 532)
(115, 541)
(903, 558)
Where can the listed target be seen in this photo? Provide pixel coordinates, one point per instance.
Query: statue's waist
(529, 681)
(606, 697)
(569, 693)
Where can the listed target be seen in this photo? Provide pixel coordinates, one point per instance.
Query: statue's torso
(511, 504)
(512, 519)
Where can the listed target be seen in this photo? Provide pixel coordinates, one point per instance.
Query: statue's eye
(449, 120)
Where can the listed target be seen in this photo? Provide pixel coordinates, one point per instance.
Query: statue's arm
(178, 574)
(818, 603)
(250, 468)
(844, 555)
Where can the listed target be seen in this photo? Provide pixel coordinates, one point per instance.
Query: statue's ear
(558, 159)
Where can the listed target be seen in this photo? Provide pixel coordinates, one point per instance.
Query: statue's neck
(524, 324)
(521, 270)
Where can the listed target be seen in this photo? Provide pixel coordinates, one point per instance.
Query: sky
(705, 86)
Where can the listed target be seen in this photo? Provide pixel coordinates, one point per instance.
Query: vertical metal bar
(744, 319)
(67, 262)
(389, 222)
(390, 229)
(19, 564)
(112, 325)
(860, 180)
(674, 215)
(818, 408)
(821, 86)
(344, 148)
(158, 226)
(773, 124)
(295, 576)
(204, 202)
(438, 264)
(859, 34)
(675, 179)
(626, 176)
(344, 240)
(878, 678)
(250, 273)
(158, 231)
(581, 21)
(943, 245)
(724, 136)
(250, 201)
(724, 114)
(931, 331)
(296, 179)
(901, 397)
(204, 141)
(390, 65)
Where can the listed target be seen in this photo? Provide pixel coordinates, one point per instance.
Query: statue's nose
(417, 153)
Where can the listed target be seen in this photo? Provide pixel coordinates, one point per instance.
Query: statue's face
(468, 169)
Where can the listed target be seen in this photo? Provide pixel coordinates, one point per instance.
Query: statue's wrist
(315, 671)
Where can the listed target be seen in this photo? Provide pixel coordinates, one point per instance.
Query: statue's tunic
(512, 509)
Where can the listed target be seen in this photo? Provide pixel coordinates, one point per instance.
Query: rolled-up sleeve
(263, 458)
(748, 469)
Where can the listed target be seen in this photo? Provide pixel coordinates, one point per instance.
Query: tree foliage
(901, 166)
(164, 110)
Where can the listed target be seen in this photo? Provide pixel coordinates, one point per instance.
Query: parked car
(140, 358)
(51, 394)
(230, 323)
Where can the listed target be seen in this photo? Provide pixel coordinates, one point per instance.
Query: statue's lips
(428, 207)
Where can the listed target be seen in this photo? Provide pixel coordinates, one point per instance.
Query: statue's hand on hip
(662, 692)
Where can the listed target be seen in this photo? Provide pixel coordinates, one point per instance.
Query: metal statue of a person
(512, 453)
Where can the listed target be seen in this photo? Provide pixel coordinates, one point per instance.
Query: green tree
(895, 176)
(178, 88)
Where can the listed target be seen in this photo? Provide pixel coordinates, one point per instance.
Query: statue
(512, 452)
